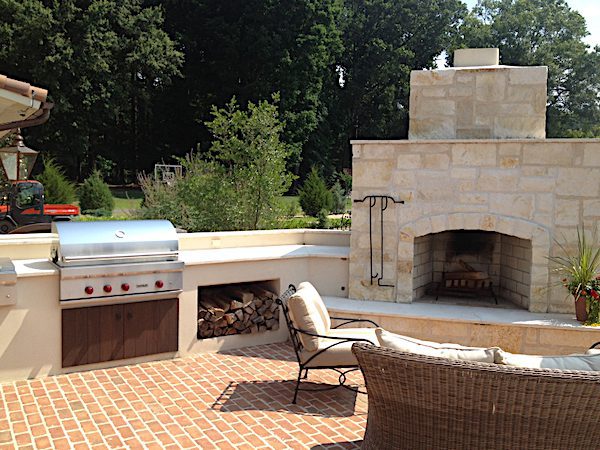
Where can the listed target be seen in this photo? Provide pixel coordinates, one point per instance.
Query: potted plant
(579, 272)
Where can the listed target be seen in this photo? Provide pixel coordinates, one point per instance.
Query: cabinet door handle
(129, 316)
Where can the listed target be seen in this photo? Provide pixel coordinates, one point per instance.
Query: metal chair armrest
(348, 320)
(594, 345)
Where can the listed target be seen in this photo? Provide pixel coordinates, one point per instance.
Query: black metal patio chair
(329, 349)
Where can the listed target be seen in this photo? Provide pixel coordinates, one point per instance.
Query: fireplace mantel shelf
(458, 313)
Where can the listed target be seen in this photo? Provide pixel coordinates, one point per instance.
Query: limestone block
(567, 212)
(591, 155)
(469, 57)
(461, 90)
(473, 198)
(439, 223)
(528, 127)
(432, 128)
(432, 77)
(490, 86)
(479, 154)
(498, 180)
(509, 162)
(533, 75)
(429, 147)
(547, 154)
(474, 133)
(456, 221)
(506, 337)
(378, 151)
(436, 161)
(434, 92)
(471, 221)
(405, 251)
(465, 110)
(356, 151)
(408, 161)
(536, 184)
(405, 179)
(575, 181)
(591, 208)
(376, 174)
(505, 225)
(544, 203)
(516, 205)
(463, 173)
(488, 223)
(509, 149)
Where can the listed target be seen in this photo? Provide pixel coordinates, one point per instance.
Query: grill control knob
(159, 284)
(107, 288)
(89, 290)
(125, 286)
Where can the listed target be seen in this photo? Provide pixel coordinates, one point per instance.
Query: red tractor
(23, 210)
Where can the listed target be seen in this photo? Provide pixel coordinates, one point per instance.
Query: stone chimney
(478, 99)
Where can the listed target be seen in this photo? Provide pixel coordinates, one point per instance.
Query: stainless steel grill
(117, 261)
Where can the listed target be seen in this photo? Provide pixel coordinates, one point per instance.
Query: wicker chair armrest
(348, 320)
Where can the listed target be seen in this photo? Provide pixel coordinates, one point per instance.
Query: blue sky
(590, 9)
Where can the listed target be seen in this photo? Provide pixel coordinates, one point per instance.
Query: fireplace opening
(486, 267)
(238, 308)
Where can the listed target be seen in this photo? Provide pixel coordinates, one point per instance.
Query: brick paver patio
(234, 399)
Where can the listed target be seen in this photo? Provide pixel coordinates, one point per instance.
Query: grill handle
(119, 256)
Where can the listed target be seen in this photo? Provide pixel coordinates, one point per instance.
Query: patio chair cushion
(587, 362)
(305, 313)
(316, 297)
(428, 348)
(341, 353)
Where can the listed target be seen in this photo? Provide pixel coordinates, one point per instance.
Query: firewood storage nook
(239, 308)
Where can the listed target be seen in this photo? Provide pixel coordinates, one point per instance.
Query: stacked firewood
(240, 309)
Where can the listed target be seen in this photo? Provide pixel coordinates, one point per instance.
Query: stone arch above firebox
(538, 235)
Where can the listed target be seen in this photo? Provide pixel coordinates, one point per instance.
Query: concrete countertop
(480, 315)
(43, 267)
(241, 254)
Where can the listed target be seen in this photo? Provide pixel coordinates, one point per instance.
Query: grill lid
(114, 242)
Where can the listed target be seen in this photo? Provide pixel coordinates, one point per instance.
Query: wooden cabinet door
(107, 333)
(74, 336)
(91, 335)
(151, 327)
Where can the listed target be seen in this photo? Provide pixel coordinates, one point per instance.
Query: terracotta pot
(580, 310)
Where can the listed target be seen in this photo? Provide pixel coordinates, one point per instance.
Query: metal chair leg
(297, 386)
(305, 374)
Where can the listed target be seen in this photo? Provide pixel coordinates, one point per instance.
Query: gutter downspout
(38, 118)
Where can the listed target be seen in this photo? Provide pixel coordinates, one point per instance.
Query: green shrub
(322, 219)
(314, 195)
(238, 184)
(57, 189)
(338, 196)
(95, 196)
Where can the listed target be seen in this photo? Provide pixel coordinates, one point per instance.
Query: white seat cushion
(316, 298)
(428, 348)
(340, 354)
(588, 362)
(305, 315)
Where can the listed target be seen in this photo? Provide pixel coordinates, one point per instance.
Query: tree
(95, 196)
(368, 96)
(103, 62)
(314, 195)
(238, 184)
(250, 49)
(57, 188)
(549, 33)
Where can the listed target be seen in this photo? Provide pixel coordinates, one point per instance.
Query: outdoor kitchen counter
(274, 252)
(34, 268)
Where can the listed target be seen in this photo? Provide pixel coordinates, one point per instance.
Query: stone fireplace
(481, 186)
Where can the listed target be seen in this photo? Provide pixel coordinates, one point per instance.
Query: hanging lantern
(17, 160)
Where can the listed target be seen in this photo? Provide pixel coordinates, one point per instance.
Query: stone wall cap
(475, 141)
(478, 68)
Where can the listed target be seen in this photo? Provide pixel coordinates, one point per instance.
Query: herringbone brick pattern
(235, 399)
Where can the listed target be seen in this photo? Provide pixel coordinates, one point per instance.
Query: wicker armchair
(317, 344)
(422, 402)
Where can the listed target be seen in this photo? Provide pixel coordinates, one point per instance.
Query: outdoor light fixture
(17, 160)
